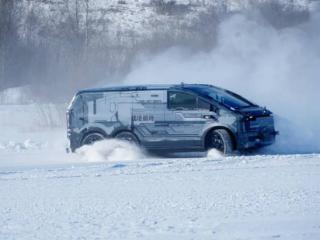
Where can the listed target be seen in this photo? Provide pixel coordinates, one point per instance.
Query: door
(186, 116)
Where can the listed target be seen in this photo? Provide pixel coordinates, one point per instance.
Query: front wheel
(221, 140)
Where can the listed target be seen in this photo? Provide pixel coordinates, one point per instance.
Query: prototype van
(185, 117)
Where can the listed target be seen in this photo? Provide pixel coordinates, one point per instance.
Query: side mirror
(214, 109)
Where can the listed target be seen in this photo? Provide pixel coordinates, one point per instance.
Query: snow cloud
(277, 68)
(110, 150)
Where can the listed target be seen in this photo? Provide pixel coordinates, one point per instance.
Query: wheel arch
(230, 132)
(89, 131)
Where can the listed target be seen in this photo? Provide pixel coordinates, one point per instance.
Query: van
(169, 118)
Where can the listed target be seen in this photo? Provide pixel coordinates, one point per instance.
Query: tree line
(72, 48)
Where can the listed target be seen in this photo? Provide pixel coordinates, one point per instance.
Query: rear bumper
(74, 141)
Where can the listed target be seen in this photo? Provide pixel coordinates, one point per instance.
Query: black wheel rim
(217, 142)
(92, 139)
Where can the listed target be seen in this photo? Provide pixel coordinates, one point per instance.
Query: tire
(91, 138)
(221, 140)
(127, 136)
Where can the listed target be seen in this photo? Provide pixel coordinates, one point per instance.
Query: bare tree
(75, 46)
(87, 23)
(8, 38)
(77, 13)
(3, 31)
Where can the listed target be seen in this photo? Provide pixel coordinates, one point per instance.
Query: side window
(79, 111)
(185, 101)
(96, 105)
(207, 106)
(181, 101)
(100, 105)
(204, 105)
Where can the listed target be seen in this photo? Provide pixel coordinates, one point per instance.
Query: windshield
(224, 97)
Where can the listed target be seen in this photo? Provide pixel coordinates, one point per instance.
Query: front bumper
(256, 139)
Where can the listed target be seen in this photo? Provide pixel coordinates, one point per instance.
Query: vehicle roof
(145, 87)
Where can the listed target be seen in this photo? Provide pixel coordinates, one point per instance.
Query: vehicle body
(181, 117)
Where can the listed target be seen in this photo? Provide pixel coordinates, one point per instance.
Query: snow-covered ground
(114, 191)
(256, 197)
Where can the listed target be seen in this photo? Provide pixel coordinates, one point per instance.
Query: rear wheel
(127, 136)
(221, 140)
(91, 138)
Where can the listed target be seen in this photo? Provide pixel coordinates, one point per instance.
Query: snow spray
(276, 68)
(110, 150)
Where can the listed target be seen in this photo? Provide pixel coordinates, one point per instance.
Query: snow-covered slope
(126, 21)
(30, 128)
(64, 45)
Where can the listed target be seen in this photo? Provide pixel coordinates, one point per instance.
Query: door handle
(208, 116)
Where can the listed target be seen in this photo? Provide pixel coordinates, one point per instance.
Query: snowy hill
(69, 44)
(127, 19)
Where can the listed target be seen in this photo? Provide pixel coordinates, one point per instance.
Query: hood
(255, 111)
